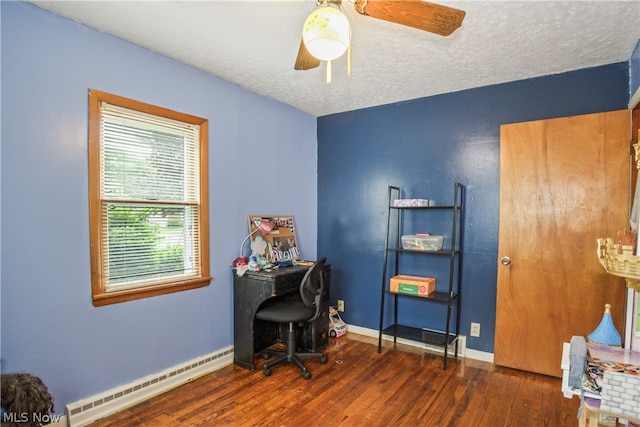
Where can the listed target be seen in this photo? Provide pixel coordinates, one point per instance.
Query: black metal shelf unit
(452, 252)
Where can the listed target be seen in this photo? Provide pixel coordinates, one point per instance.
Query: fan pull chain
(348, 64)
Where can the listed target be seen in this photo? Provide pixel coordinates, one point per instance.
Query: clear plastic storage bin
(419, 242)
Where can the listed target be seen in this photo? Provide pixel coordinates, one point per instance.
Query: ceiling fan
(434, 18)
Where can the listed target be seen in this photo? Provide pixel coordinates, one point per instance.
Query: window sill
(107, 298)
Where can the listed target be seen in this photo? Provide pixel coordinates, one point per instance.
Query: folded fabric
(577, 361)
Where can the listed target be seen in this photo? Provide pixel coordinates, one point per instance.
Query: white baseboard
(463, 351)
(479, 355)
(109, 402)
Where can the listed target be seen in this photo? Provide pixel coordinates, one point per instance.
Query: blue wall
(424, 146)
(49, 326)
(634, 70)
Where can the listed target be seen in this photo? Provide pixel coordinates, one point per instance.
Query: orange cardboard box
(412, 285)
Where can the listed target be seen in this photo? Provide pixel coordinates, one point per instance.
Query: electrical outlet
(475, 329)
(341, 305)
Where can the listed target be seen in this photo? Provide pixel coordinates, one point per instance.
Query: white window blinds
(149, 199)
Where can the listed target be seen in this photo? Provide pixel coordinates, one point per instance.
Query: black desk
(251, 335)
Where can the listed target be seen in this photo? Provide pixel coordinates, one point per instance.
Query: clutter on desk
(285, 263)
(259, 263)
(240, 265)
(258, 225)
(254, 263)
(280, 243)
(273, 244)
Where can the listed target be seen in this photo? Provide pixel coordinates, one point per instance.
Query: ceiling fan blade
(305, 61)
(438, 19)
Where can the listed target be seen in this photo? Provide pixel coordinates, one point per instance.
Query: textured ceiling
(254, 44)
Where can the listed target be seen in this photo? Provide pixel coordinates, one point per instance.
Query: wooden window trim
(100, 296)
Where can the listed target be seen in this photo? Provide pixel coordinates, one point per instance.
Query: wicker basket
(623, 265)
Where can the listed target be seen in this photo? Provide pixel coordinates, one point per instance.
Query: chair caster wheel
(266, 356)
(266, 371)
(306, 375)
(324, 359)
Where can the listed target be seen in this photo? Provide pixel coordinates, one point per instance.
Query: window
(148, 200)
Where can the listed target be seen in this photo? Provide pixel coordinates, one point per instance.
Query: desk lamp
(262, 226)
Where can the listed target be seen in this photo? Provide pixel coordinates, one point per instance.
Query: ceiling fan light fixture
(326, 32)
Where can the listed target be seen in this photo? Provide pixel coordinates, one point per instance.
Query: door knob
(505, 260)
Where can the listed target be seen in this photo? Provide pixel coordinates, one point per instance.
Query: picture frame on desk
(280, 244)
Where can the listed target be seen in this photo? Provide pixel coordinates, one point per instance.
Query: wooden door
(563, 183)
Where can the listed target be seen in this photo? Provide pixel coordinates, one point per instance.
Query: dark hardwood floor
(360, 387)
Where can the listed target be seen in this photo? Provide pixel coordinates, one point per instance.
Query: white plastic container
(422, 242)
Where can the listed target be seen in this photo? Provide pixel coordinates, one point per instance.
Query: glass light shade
(326, 32)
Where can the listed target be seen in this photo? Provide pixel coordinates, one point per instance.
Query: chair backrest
(312, 286)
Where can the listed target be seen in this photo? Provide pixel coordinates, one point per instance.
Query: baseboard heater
(88, 410)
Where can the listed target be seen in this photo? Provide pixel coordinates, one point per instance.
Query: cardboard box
(412, 285)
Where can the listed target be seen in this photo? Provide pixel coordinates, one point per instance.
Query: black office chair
(303, 310)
